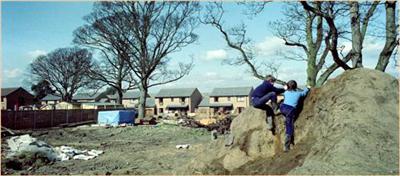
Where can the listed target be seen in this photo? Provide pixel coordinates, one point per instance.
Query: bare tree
(358, 30)
(41, 89)
(66, 69)
(236, 38)
(305, 30)
(104, 32)
(359, 34)
(154, 30)
(391, 35)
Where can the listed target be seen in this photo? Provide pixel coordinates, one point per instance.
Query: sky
(29, 29)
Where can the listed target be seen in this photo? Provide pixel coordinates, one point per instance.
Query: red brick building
(13, 98)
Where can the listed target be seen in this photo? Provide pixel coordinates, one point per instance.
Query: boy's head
(291, 85)
(270, 79)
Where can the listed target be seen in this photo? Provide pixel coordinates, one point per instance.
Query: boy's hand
(285, 87)
(308, 86)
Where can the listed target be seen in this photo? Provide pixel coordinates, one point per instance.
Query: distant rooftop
(6, 91)
(231, 91)
(86, 96)
(150, 103)
(205, 102)
(50, 97)
(177, 92)
(127, 95)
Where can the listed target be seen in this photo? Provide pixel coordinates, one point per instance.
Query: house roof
(150, 103)
(7, 91)
(205, 102)
(231, 91)
(50, 97)
(177, 106)
(99, 103)
(86, 96)
(177, 92)
(221, 105)
(126, 95)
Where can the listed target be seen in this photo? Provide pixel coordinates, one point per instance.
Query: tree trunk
(311, 69)
(356, 41)
(120, 96)
(390, 36)
(142, 100)
(67, 98)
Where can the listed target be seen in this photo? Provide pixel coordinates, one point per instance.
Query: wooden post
(15, 119)
(67, 115)
(52, 118)
(34, 119)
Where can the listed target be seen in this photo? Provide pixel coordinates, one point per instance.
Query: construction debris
(66, 153)
(183, 146)
(25, 144)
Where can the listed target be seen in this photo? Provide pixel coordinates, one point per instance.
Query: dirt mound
(348, 126)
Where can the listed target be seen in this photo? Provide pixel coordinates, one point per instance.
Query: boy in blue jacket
(288, 109)
(262, 94)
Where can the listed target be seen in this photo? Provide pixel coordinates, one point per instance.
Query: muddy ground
(128, 150)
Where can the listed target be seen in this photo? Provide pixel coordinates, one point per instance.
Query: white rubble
(26, 143)
(182, 146)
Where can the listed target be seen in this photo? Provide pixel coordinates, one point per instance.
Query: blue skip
(115, 118)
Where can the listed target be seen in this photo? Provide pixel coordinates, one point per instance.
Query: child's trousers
(289, 112)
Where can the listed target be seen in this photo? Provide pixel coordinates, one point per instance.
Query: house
(183, 100)
(203, 109)
(13, 98)
(68, 105)
(50, 100)
(87, 97)
(151, 108)
(100, 105)
(130, 99)
(231, 99)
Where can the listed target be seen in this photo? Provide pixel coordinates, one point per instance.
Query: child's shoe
(286, 146)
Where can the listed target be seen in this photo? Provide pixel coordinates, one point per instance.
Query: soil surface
(127, 150)
(348, 126)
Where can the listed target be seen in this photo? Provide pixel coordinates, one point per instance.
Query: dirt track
(128, 150)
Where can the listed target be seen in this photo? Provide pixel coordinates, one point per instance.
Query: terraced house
(130, 99)
(226, 100)
(179, 99)
(86, 97)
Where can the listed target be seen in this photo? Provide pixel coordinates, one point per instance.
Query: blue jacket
(292, 97)
(265, 88)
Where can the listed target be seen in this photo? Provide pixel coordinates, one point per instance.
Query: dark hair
(291, 85)
(270, 78)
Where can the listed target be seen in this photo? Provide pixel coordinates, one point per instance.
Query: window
(215, 99)
(240, 99)
(161, 101)
(172, 99)
(183, 100)
(229, 98)
(161, 110)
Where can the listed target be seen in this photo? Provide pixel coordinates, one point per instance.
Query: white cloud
(219, 54)
(12, 73)
(35, 53)
(270, 46)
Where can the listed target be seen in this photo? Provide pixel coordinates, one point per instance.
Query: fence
(34, 119)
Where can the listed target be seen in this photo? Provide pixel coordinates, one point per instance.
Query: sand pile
(348, 126)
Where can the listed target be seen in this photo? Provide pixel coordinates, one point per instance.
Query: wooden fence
(34, 119)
